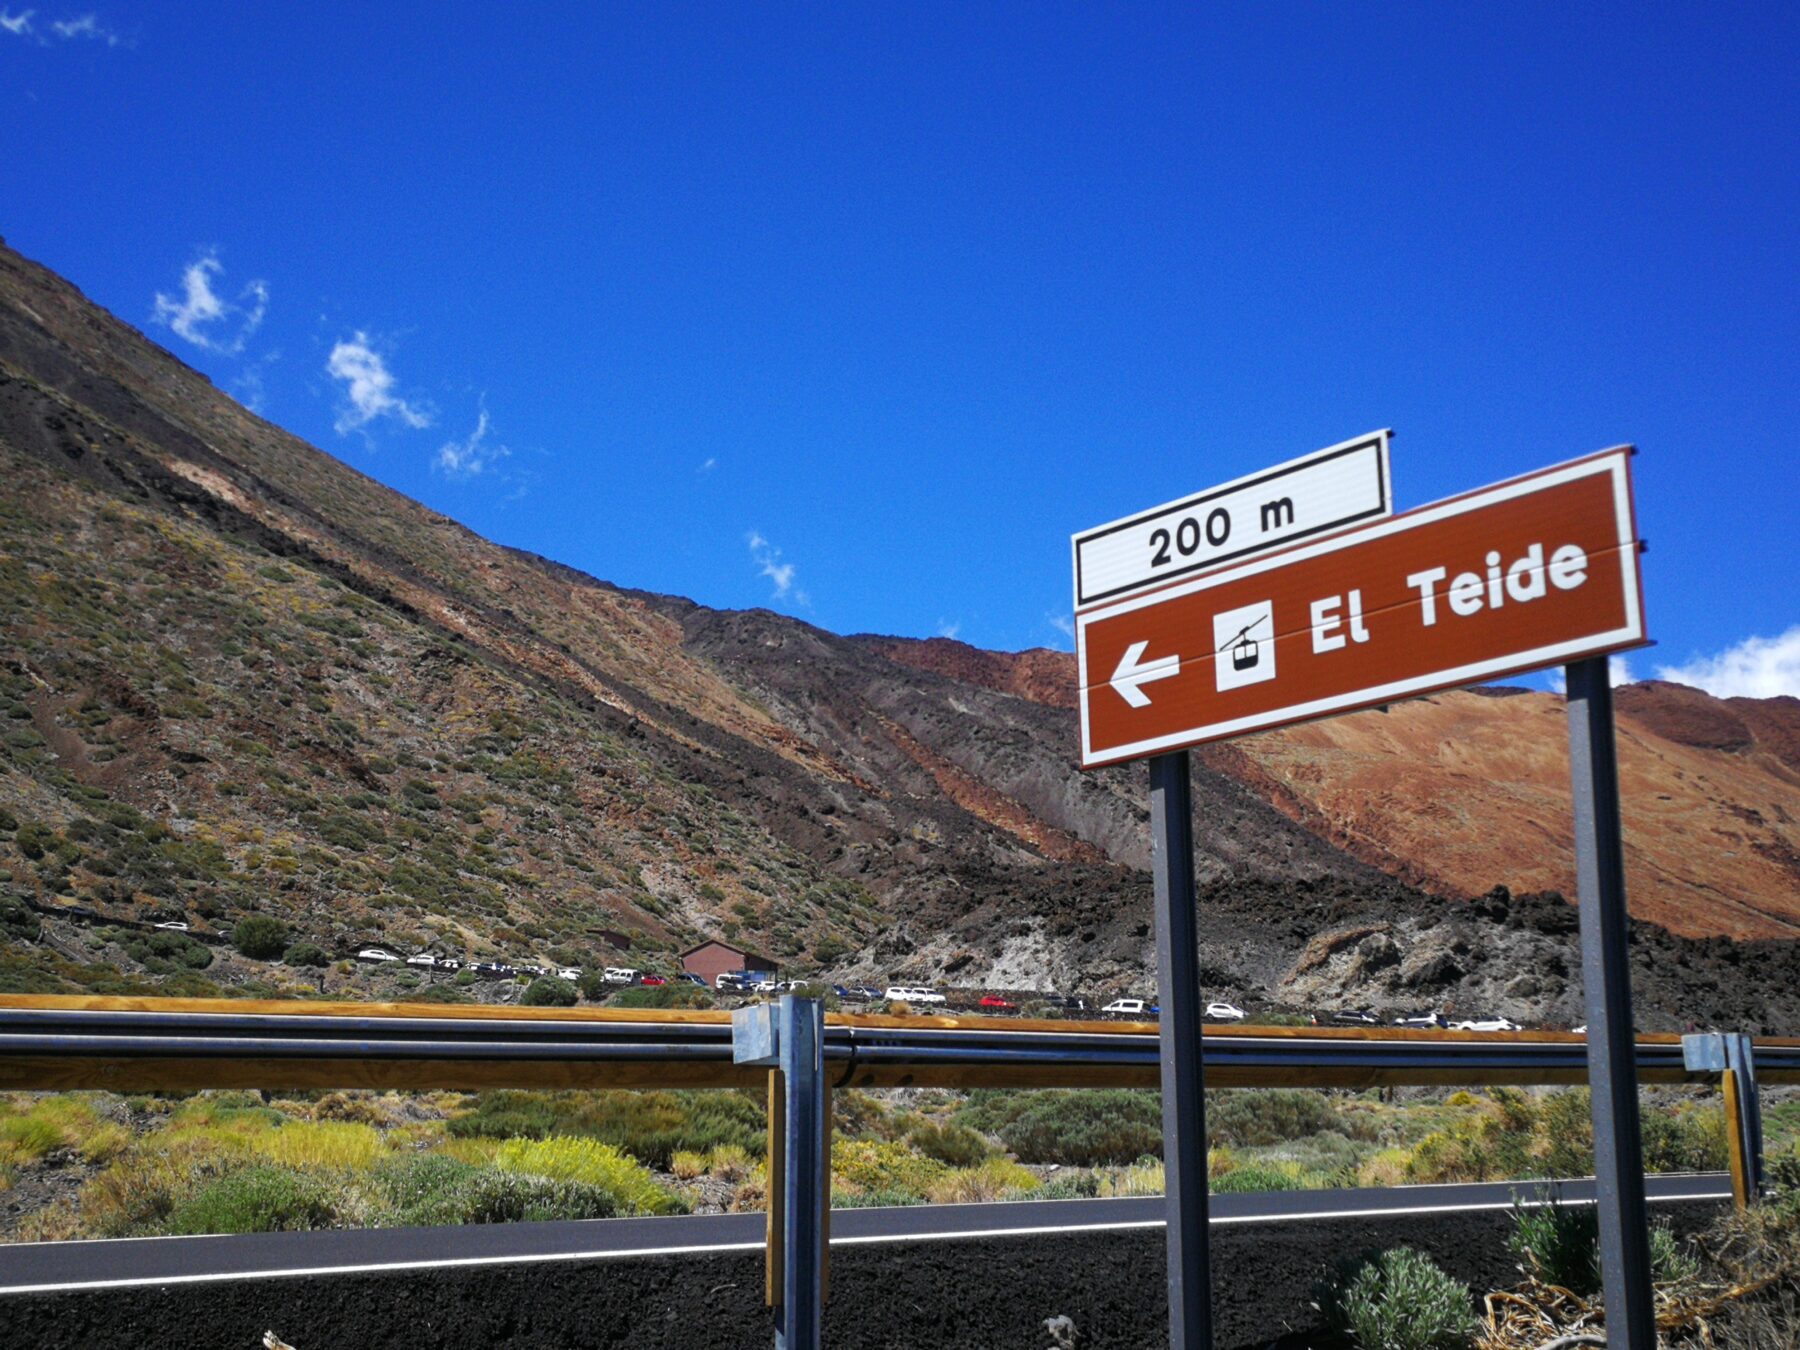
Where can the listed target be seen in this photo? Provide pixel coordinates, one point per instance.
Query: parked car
(729, 979)
(376, 954)
(864, 993)
(174, 927)
(421, 959)
(906, 993)
(651, 979)
(994, 1003)
(1486, 1024)
(1225, 1012)
(449, 963)
(1128, 1007)
(620, 975)
(1355, 1019)
(691, 978)
(570, 973)
(1069, 1003)
(1424, 1019)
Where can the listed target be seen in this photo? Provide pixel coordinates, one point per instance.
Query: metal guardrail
(166, 1044)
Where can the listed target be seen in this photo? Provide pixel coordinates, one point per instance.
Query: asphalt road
(54, 1267)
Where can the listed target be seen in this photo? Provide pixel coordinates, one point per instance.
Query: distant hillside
(238, 676)
(1464, 791)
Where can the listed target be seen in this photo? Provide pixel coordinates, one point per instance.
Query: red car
(994, 1003)
(652, 979)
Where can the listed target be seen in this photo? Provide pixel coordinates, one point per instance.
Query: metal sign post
(1183, 1095)
(1606, 980)
(790, 1036)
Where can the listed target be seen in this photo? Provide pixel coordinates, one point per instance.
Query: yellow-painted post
(775, 1164)
(825, 1267)
(1742, 1187)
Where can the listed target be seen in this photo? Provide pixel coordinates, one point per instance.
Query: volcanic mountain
(238, 676)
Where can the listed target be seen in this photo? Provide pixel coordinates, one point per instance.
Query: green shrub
(488, 1195)
(1093, 1128)
(1560, 1245)
(17, 920)
(948, 1142)
(1251, 1117)
(592, 985)
(1398, 1300)
(306, 954)
(671, 995)
(874, 1167)
(259, 1199)
(548, 991)
(589, 1163)
(650, 1126)
(1254, 1176)
(260, 937)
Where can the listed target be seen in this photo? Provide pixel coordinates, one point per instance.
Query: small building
(712, 959)
(612, 937)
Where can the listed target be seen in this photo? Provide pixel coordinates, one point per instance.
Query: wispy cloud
(708, 465)
(1757, 667)
(781, 574)
(86, 27)
(472, 456)
(369, 387)
(949, 628)
(200, 315)
(1062, 623)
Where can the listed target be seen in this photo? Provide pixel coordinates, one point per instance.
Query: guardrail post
(1611, 1038)
(790, 1037)
(1183, 1095)
(1733, 1058)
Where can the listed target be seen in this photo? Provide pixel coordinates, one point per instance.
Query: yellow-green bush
(593, 1163)
(994, 1179)
(687, 1165)
(328, 1144)
(880, 1168)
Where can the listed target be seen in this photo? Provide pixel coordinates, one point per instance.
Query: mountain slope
(236, 675)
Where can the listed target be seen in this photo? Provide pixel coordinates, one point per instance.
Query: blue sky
(858, 311)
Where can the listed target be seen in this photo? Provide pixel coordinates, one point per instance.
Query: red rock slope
(1459, 792)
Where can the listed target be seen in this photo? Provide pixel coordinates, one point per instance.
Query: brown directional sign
(1536, 571)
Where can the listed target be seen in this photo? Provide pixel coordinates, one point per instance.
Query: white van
(906, 993)
(1127, 1007)
(621, 975)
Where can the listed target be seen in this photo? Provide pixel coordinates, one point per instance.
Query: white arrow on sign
(1132, 672)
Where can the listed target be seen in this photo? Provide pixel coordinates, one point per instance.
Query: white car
(422, 959)
(174, 927)
(1127, 1007)
(1486, 1024)
(620, 975)
(1225, 1012)
(376, 954)
(569, 973)
(906, 993)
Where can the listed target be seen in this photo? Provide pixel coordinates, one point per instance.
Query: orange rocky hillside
(1460, 792)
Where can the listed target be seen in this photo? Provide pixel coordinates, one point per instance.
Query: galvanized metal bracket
(789, 1037)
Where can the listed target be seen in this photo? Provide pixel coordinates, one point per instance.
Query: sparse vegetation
(1398, 1300)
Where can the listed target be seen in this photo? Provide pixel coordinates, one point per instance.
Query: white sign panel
(1342, 485)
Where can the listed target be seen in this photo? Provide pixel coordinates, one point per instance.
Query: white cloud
(949, 628)
(87, 26)
(709, 465)
(201, 316)
(1757, 667)
(768, 561)
(468, 458)
(1062, 623)
(369, 385)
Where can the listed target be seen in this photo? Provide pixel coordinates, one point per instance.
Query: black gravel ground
(966, 1295)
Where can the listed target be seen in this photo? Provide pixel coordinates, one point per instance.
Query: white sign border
(1379, 439)
(1612, 462)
